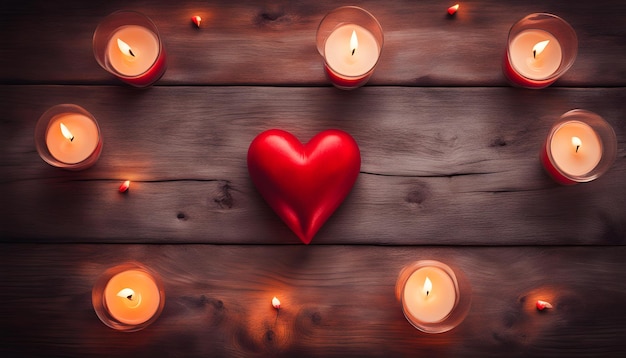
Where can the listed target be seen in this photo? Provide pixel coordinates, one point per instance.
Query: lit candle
(541, 48)
(579, 148)
(430, 293)
(68, 136)
(350, 40)
(128, 297)
(127, 44)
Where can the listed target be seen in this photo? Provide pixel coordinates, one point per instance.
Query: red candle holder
(540, 48)
(350, 40)
(579, 148)
(67, 136)
(127, 44)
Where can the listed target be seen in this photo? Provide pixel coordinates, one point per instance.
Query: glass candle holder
(68, 137)
(127, 44)
(350, 40)
(540, 48)
(580, 147)
(434, 299)
(128, 297)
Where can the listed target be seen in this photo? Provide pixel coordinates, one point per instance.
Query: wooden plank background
(450, 171)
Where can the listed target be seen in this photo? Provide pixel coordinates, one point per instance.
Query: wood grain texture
(273, 42)
(336, 301)
(439, 166)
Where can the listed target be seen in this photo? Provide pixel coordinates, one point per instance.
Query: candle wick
(427, 293)
(353, 51)
(577, 148)
(131, 52)
(534, 53)
(130, 297)
(72, 139)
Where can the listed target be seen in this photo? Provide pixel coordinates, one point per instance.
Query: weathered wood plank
(265, 42)
(336, 301)
(440, 166)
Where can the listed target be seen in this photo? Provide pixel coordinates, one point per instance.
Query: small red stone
(196, 20)
(452, 9)
(541, 305)
(125, 186)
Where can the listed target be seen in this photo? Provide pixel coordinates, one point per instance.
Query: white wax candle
(132, 297)
(436, 304)
(338, 51)
(538, 67)
(563, 145)
(143, 44)
(84, 142)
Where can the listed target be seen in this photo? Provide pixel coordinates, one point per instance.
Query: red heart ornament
(304, 183)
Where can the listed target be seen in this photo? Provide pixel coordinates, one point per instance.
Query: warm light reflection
(66, 132)
(539, 47)
(577, 143)
(125, 48)
(354, 42)
(428, 286)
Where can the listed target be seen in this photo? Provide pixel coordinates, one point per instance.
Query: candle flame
(130, 297)
(125, 48)
(539, 47)
(127, 293)
(275, 302)
(66, 132)
(428, 286)
(576, 142)
(354, 42)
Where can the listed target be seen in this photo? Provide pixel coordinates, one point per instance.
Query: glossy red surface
(304, 183)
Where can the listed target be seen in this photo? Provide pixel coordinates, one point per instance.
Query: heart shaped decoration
(304, 183)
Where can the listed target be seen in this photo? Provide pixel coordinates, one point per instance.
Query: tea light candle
(127, 44)
(535, 54)
(350, 40)
(128, 297)
(579, 148)
(541, 48)
(132, 297)
(431, 296)
(68, 136)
